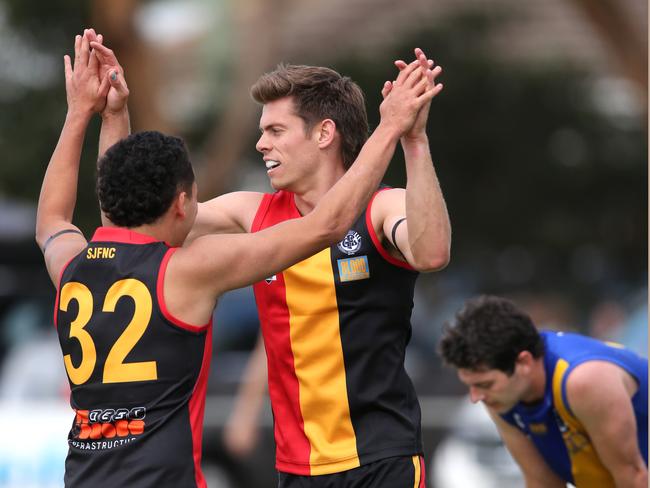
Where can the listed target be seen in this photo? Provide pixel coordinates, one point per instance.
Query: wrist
(76, 115)
(415, 147)
(415, 141)
(108, 114)
(388, 131)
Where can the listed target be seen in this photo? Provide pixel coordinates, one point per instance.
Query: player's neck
(161, 230)
(152, 231)
(313, 189)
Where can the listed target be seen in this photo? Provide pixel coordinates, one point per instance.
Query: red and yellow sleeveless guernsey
(335, 328)
(137, 374)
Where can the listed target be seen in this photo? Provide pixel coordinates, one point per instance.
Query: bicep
(389, 222)
(535, 470)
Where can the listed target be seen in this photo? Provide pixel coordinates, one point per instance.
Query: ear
(326, 133)
(180, 204)
(525, 360)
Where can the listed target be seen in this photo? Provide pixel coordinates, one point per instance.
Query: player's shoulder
(591, 378)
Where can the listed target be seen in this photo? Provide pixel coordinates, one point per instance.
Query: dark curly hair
(320, 93)
(138, 177)
(489, 333)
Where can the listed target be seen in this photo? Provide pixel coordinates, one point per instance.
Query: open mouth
(272, 164)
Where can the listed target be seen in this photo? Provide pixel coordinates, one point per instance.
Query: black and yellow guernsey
(335, 327)
(137, 374)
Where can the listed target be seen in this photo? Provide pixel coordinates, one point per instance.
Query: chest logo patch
(271, 279)
(351, 243)
(352, 269)
(538, 428)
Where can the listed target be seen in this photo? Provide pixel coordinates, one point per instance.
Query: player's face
(497, 390)
(290, 154)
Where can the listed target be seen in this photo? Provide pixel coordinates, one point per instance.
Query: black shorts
(395, 472)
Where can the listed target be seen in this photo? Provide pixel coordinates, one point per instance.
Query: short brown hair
(319, 93)
(489, 333)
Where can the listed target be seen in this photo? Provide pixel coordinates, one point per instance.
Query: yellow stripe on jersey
(586, 466)
(319, 365)
(416, 465)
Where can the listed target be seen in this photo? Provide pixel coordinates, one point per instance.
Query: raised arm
(230, 213)
(57, 237)
(214, 264)
(115, 115)
(414, 222)
(599, 394)
(537, 473)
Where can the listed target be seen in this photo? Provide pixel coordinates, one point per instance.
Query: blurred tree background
(539, 137)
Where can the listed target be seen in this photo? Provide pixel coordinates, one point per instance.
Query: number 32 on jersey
(115, 369)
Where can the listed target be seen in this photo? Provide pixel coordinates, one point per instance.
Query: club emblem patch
(352, 269)
(271, 279)
(538, 428)
(351, 243)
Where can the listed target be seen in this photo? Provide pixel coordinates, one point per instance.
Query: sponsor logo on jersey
(351, 243)
(352, 269)
(271, 279)
(119, 425)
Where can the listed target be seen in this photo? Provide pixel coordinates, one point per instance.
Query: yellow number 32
(115, 369)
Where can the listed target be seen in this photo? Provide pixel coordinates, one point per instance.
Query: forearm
(345, 201)
(58, 193)
(115, 126)
(429, 229)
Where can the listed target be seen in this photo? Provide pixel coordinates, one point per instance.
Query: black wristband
(61, 232)
(394, 242)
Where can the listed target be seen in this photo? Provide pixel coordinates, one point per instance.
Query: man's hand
(105, 57)
(407, 95)
(115, 116)
(119, 92)
(85, 91)
(108, 66)
(418, 130)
